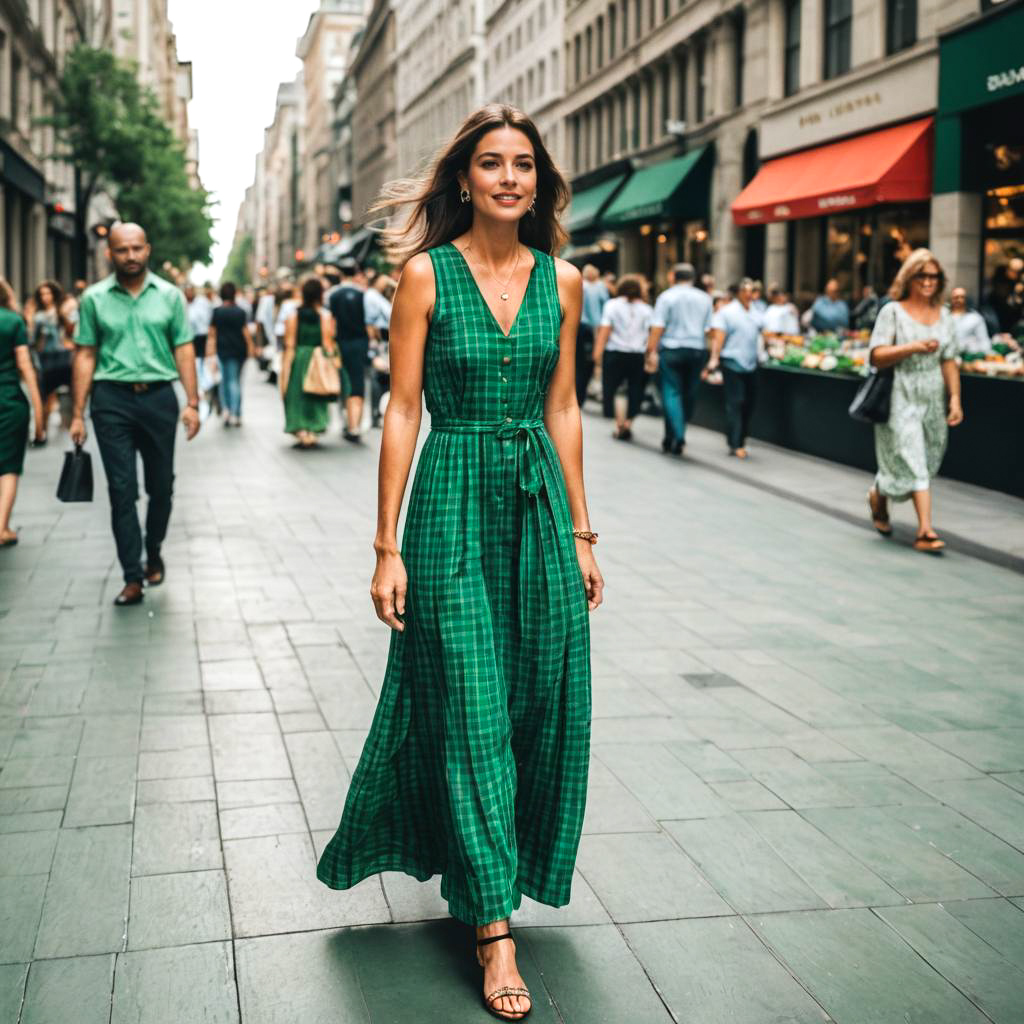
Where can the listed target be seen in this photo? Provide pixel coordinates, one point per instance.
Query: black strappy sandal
(505, 990)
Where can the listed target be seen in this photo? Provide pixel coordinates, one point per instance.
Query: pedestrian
(915, 337)
(377, 308)
(348, 307)
(780, 319)
(309, 327)
(866, 310)
(971, 331)
(133, 342)
(230, 342)
(51, 333)
(595, 295)
(735, 344)
(476, 764)
(266, 336)
(620, 350)
(757, 297)
(610, 282)
(829, 313)
(15, 368)
(378, 298)
(677, 345)
(707, 283)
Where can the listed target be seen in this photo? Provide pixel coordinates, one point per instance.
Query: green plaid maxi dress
(475, 767)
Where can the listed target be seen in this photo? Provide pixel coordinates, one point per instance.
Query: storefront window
(1004, 238)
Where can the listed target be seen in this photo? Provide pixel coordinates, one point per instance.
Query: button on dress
(475, 767)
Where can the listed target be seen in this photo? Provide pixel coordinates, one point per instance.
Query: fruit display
(825, 353)
(1003, 361)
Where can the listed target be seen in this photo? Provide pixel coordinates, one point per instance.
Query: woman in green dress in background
(15, 367)
(311, 326)
(475, 767)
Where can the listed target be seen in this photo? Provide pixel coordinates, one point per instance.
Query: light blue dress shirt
(377, 309)
(685, 313)
(595, 295)
(742, 329)
(829, 314)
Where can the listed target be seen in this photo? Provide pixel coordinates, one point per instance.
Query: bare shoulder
(567, 274)
(416, 284)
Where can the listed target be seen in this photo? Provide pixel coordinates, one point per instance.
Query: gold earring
(464, 195)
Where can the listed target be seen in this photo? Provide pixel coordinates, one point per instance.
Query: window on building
(554, 69)
(702, 89)
(665, 8)
(529, 29)
(589, 46)
(625, 24)
(586, 142)
(542, 77)
(635, 140)
(542, 16)
(599, 56)
(623, 122)
(598, 134)
(612, 25)
(576, 141)
(666, 103)
(739, 26)
(652, 14)
(649, 98)
(900, 24)
(791, 50)
(577, 67)
(638, 19)
(838, 31)
(683, 69)
(15, 88)
(529, 85)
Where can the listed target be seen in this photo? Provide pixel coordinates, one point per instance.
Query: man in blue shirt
(735, 343)
(829, 312)
(677, 340)
(595, 295)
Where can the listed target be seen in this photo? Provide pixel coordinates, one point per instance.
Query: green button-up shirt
(136, 335)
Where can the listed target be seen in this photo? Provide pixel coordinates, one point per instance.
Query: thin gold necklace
(504, 287)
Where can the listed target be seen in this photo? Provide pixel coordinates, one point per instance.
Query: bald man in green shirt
(133, 341)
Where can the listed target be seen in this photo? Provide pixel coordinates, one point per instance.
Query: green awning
(585, 206)
(674, 189)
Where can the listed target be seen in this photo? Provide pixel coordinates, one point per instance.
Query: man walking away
(735, 338)
(595, 295)
(133, 341)
(678, 341)
(348, 307)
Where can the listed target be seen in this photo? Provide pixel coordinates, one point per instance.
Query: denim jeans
(740, 395)
(231, 385)
(680, 383)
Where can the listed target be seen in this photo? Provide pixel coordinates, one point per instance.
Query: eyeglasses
(924, 276)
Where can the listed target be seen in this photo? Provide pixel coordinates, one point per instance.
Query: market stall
(807, 385)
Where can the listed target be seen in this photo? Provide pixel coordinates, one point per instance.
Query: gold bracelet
(585, 535)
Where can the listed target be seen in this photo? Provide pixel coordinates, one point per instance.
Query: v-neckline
(479, 291)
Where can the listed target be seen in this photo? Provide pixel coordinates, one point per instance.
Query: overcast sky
(240, 50)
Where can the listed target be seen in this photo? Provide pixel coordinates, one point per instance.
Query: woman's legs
(923, 507)
(8, 492)
(500, 970)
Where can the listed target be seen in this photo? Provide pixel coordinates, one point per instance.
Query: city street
(806, 797)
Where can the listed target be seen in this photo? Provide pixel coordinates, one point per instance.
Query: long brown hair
(7, 300)
(56, 293)
(436, 213)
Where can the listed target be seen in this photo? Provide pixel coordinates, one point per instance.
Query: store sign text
(1015, 76)
(843, 108)
(832, 202)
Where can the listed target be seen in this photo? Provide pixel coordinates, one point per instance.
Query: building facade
(324, 50)
(36, 192)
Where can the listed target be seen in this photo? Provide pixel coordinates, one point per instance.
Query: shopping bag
(322, 377)
(873, 398)
(76, 476)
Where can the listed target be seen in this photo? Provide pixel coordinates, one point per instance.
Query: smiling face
(502, 174)
(925, 283)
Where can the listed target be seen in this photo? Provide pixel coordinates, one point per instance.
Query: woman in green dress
(916, 337)
(15, 367)
(309, 327)
(475, 767)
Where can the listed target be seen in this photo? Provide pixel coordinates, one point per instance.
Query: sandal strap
(493, 938)
(507, 990)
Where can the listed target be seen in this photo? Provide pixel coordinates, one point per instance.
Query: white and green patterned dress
(909, 448)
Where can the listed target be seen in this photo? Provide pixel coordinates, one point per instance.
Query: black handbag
(873, 399)
(76, 476)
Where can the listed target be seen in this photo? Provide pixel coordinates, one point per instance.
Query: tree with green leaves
(237, 268)
(109, 129)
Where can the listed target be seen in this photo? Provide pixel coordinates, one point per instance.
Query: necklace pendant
(504, 296)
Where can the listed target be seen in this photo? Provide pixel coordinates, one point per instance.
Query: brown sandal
(505, 990)
(879, 514)
(929, 543)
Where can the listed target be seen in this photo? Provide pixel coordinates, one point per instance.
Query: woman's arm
(327, 331)
(211, 342)
(951, 375)
(290, 329)
(250, 347)
(885, 352)
(604, 332)
(564, 426)
(23, 361)
(410, 322)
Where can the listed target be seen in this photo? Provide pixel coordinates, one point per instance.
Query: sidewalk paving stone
(769, 735)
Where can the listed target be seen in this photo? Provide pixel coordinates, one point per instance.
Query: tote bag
(76, 477)
(322, 377)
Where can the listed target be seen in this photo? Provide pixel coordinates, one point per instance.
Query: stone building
(324, 51)
(36, 192)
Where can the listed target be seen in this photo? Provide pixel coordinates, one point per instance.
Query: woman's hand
(925, 347)
(388, 589)
(956, 411)
(593, 581)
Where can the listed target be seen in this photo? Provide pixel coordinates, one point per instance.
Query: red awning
(893, 165)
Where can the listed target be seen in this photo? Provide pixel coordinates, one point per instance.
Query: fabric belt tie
(529, 474)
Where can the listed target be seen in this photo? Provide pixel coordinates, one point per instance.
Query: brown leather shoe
(132, 594)
(154, 572)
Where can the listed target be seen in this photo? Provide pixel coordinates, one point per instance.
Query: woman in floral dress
(916, 337)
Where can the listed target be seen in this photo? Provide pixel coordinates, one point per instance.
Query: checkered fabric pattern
(475, 767)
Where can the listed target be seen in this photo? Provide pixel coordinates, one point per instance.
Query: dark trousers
(617, 367)
(740, 396)
(128, 422)
(680, 383)
(355, 355)
(584, 361)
